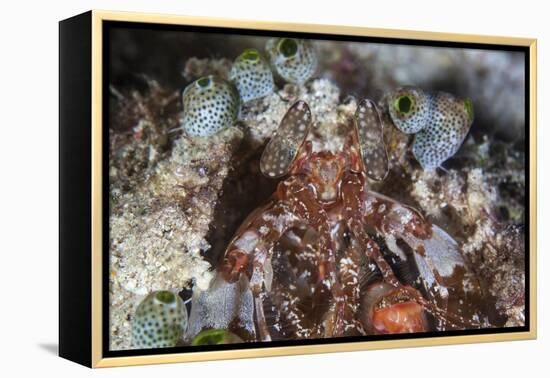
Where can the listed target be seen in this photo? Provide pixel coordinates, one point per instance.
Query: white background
(29, 188)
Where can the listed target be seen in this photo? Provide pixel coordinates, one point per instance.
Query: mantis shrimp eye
(160, 321)
(209, 105)
(371, 140)
(293, 60)
(216, 337)
(409, 109)
(288, 47)
(252, 76)
(282, 149)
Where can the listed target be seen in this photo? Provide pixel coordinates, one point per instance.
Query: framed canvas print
(235, 189)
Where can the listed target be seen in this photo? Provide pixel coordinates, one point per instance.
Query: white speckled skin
(371, 140)
(282, 149)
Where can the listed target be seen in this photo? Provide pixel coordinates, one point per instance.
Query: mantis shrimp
(324, 256)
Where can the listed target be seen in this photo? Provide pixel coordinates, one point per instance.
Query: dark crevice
(244, 189)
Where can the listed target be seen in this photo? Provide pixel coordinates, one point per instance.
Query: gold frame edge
(98, 16)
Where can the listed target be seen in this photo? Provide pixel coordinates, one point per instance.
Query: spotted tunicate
(440, 122)
(216, 337)
(160, 321)
(294, 60)
(210, 104)
(252, 75)
(409, 109)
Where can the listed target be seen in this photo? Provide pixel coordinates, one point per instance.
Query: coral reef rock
(157, 230)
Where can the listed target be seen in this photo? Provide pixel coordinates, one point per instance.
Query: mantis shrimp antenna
(371, 140)
(283, 147)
